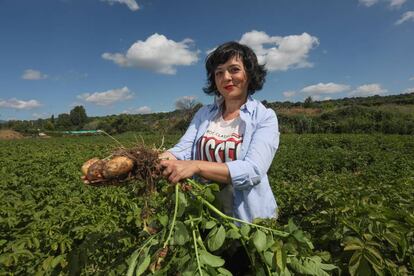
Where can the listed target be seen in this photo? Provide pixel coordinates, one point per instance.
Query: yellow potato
(87, 164)
(95, 171)
(117, 166)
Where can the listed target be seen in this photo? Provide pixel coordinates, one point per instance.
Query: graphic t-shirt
(222, 143)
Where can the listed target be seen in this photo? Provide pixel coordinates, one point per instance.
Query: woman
(232, 141)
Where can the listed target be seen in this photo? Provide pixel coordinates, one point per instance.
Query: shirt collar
(248, 106)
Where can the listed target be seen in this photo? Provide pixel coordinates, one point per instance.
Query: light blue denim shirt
(253, 197)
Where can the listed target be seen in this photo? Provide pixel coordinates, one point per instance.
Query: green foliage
(78, 116)
(346, 206)
(376, 114)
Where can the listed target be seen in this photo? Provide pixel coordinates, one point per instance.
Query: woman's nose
(227, 75)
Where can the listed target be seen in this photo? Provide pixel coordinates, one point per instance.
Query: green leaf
(354, 263)
(181, 235)
(216, 240)
(259, 240)
(224, 272)
(210, 224)
(163, 220)
(133, 262)
(182, 204)
(57, 260)
(233, 234)
(268, 256)
(281, 258)
(309, 266)
(292, 226)
(244, 230)
(143, 266)
(210, 259)
(208, 195)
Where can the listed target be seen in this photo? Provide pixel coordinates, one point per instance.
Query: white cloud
(19, 104)
(132, 4)
(393, 3)
(397, 3)
(140, 110)
(412, 78)
(368, 3)
(289, 94)
(107, 97)
(325, 88)
(31, 74)
(157, 53)
(282, 53)
(408, 90)
(368, 90)
(407, 16)
(40, 115)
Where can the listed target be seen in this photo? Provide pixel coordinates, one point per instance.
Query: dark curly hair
(255, 73)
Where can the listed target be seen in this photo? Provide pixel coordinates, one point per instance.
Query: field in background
(354, 194)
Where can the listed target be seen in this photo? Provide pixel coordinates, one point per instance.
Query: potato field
(346, 207)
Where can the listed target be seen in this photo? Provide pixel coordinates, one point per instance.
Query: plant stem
(174, 217)
(195, 248)
(133, 263)
(224, 216)
(113, 138)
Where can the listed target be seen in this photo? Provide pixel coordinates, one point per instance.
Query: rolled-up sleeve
(182, 150)
(249, 171)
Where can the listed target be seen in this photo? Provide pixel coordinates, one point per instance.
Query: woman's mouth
(229, 87)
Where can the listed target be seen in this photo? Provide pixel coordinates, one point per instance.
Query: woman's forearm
(213, 171)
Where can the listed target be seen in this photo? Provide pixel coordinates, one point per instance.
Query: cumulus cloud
(392, 3)
(40, 115)
(368, 3)
(397, 3)
(132, 4)
(289, 94)
(368, 90)
(408, 90)
(140, 110)
(407, 16)
(157, 53)
(281, 53)
(325, 88)
(31, 74)
(107, 97)
(19, 104)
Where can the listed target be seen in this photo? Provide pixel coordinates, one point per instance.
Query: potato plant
(350, 196)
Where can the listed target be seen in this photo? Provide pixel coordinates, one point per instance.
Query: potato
(117, 166)
(95, 171)
(87, 164)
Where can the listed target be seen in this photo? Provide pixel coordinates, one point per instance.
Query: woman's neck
(231, 108)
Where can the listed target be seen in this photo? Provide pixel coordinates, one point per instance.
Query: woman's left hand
(176, 170)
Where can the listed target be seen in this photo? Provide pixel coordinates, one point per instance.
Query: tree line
(377, 114)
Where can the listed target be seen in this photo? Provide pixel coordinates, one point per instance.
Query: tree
(186, 103)
(63, 121)
(78, 116)
(308, 102)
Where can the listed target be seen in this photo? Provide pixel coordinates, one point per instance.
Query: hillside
(377, 114)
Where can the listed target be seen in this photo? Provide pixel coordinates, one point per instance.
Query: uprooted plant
(187, 235)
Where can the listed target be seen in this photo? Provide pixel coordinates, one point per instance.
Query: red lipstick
(229, 87)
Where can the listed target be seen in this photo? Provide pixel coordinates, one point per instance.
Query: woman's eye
(235, 70)
(218, 73)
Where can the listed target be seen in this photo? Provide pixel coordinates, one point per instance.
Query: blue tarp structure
(82, 131)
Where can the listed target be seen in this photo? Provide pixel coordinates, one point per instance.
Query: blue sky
(141, 56)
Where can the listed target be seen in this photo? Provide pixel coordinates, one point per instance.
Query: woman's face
(231, 79)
